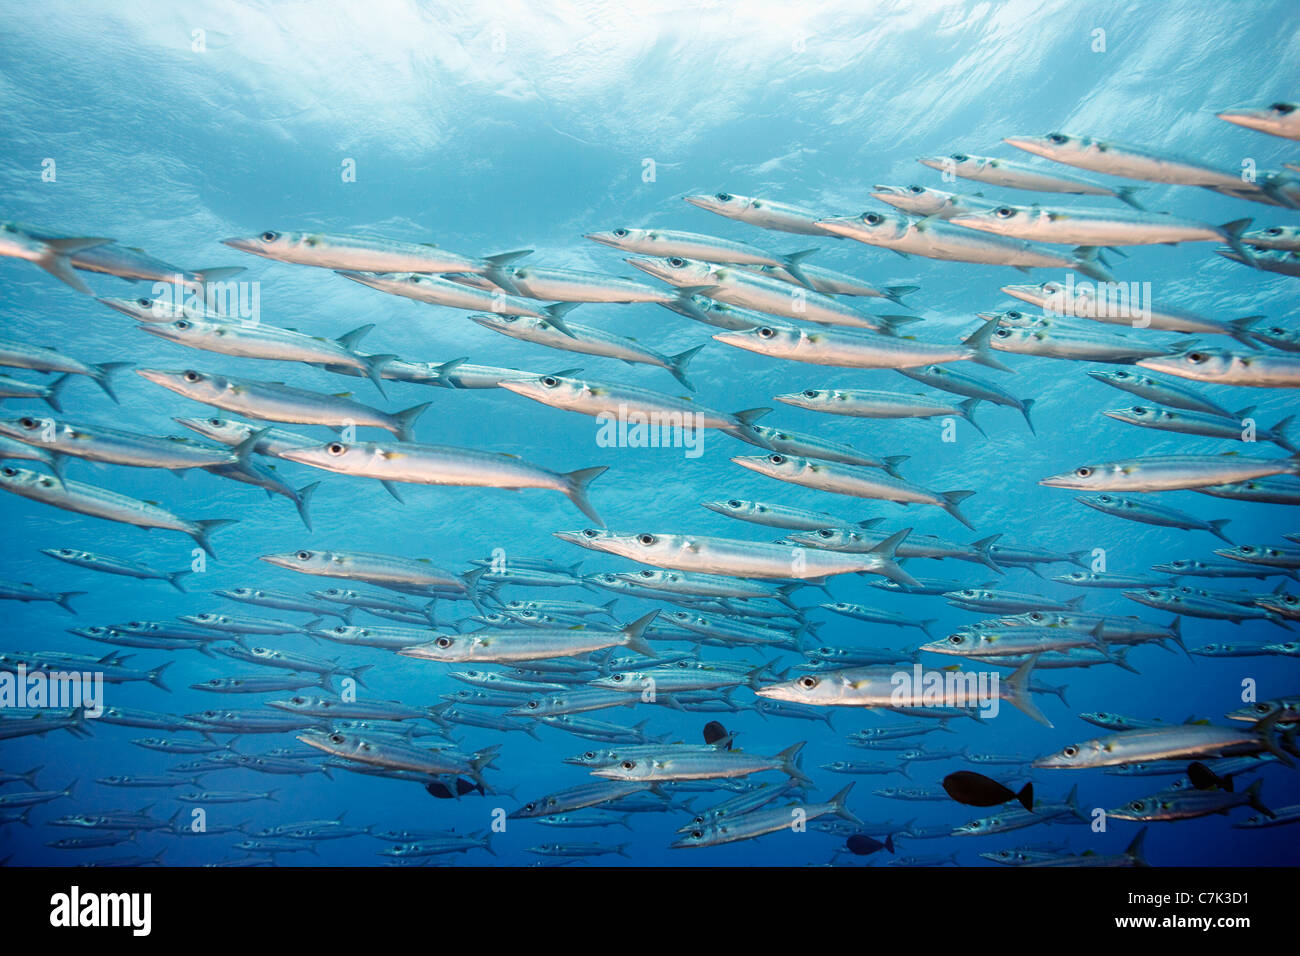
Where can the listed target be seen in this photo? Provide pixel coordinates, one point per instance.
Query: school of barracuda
(724, 624)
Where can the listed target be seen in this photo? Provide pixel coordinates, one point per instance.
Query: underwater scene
(678, 434)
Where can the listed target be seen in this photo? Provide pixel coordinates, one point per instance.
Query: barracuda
(879, 686)
(754, 559)
(1240, 427)
(1265, 370)
(934, 238)
(113, 565)
(268, 342)
(859, 483)
(588, 341)
(1170, 472)
(669, 765)
(778, 516)
(1013, 175)
(532, 643)
(1166, 743)
(868, 403)
(1148, 513)
(859, 350)
(413, 575)
(455, 295)
(363, 254)
(274, 401)
(1131, 162)
(444, 465)
(763, 293)
(102, 503)
(756, 823)
(1119, 306)
(15, 354)
(764, 213)
(1099, 227)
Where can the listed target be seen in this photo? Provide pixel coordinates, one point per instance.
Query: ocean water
(523, 125)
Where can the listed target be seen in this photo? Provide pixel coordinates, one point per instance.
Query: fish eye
(443, 642)
(533, 705)
(1196, 357)
(181, 324)
(1083, 472)
(1273, 231)
(1285, 109)
(27, 422)
(765, 333)
(1247, 549)
(1107, 499)
(550, 381)
(303, 555)
(336, 448)
(734, 503)
(1136, 805)
(646, 539)
(269, 236)
(826, 533)
(9, 472)
(873, 218)
(589, 532)
(697, 834)
(724, 197)
(916, 189)
(677, 262)
(1004, 212)
(1013, 314)
(776, 459)
(617, 678)
(1070, 751)
(808, 683)
(620, 233)
(1002, 333)
(628, 764)
(1057, 138)
(215, 422)
(960, 157)
(145, 303)
(192, 376)
(955, 639)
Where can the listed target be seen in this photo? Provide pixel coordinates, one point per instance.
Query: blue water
(485, 132)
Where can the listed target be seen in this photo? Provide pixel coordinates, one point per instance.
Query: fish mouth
(581, 538)
(702, 202)
(1019, 291)
(839, 225)
(487, 321)
(279, 560)
(1059, 481)
(243, 244)
(971, 220)
(734, 337)
(989, 316)
(648, 266)
(930, 161)
(604, 238)
(157, 376)
(1027, 143)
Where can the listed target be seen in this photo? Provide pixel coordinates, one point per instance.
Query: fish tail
(174, 579)
(54, 260)
(1125, 195)
(978, 341)
(1216, 528)
(1025, 405)
(155, 676)
(205, 528)
(1018, 694)
(1231, 234)
(968, 412)
(1253, 798)
(634, 631)
(677, 365)
(406, 420)
(895, 293)
(64, 600)
(1026, 797)
(951, 499)
(575, 487)
(789, 763)
(301, 500)
(840, 810)
(101, 374)
(55, 387)
(374, 366)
